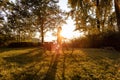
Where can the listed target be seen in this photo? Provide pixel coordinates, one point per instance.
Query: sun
(69, 33)
(68, 30)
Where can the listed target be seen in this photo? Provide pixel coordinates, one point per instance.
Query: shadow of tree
(2, 50)
(63, 71)
(5, 49)
(111, 54)
(76, 77)
(51, 73)
(25, 58)
(33, 57)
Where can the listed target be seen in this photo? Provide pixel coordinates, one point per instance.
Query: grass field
(82, 64)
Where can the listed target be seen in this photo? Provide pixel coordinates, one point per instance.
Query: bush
(112, 39)
(100, 40)
(48, 45)
(23, 44)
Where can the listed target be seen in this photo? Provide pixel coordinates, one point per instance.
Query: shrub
(106, 39)
(23, 44)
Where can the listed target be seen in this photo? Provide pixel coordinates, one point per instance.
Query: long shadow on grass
(63, 71)
(50, 75)
(25, 58)
(101, 53)
(5, 49)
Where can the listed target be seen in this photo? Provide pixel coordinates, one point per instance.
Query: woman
(59, 39)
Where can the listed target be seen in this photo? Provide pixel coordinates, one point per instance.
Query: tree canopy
(94, 14)
(23, 18)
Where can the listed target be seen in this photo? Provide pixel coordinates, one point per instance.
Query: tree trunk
(97, 15)
(42, 34)
(117, 11)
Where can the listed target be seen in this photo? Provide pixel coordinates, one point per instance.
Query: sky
(63, 5)
(67, 29)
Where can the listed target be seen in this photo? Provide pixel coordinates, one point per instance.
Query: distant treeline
(46, 45)
(109, 39)
(101, 40)
(23, 44)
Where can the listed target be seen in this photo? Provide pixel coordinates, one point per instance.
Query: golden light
(68, 30)
(69, 33)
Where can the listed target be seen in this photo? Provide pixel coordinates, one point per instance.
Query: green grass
(82, 64)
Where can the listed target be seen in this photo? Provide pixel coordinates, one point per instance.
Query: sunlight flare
(69, 33)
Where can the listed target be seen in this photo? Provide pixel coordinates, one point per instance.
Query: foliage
(90, 14)
(101, 40)
(24, 44)
(26, 17)
(117, 11)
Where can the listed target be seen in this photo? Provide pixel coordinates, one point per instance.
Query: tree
(117, 11)
(92, 14)
(98, 13)
(47, 15)
(79, 12)
(25, 17)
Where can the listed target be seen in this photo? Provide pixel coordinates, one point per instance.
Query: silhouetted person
(59, 38)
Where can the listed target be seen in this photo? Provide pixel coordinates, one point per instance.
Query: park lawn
(82, 64)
